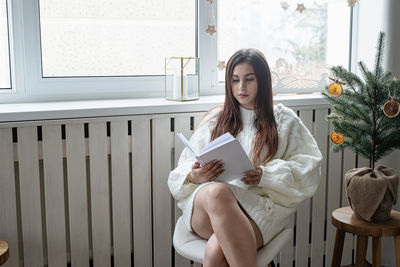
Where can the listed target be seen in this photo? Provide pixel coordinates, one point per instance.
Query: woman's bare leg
(216, 211)
(213, 255)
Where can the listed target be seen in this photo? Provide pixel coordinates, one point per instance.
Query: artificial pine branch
(379, 55)
(342, 107)
(349, 78)
(387, 76)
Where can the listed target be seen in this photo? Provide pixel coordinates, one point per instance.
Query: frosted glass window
(114, 37)
(5, 81)
(298, 46)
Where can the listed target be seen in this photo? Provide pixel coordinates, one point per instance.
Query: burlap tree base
(372, 193)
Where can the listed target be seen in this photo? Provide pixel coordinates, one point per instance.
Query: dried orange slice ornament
(337, 138)
(391, 108)
(335, 89)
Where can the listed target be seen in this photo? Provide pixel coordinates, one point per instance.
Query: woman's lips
(242, 95)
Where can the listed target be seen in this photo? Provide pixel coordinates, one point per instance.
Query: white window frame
(26, 69)
(26, 65)
(73, 87)
(208, 52)
(15, 51)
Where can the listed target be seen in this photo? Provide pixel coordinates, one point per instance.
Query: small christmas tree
(365, 113)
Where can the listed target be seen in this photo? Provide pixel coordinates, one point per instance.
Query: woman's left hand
(252, 176)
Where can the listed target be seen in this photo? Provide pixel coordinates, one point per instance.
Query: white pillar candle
(177, 90)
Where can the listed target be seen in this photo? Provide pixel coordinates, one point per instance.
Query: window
(5, 80)
(298, 46)
(75, 50)
(114, 38)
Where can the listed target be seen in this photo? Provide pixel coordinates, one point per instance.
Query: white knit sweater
(289, 178)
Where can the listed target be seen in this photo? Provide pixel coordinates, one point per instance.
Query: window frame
(79, 87)
(28, 71)
(28, 85)
(13, 45)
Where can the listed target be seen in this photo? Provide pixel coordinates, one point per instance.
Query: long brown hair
(229, 119)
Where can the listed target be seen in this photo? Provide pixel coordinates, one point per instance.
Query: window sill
(121, 107)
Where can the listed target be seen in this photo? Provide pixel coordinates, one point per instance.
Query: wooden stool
(344, 221)
(3, 251)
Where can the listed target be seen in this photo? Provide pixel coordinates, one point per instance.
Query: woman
(239, 217)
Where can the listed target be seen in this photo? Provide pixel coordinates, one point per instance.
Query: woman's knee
(218, 196)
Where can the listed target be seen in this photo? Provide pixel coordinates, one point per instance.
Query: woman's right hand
(208, 172)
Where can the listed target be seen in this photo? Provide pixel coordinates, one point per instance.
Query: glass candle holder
(182, 78)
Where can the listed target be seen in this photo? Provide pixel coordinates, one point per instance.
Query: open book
(227, 149)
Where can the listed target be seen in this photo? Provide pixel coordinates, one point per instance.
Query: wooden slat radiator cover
(94, 191)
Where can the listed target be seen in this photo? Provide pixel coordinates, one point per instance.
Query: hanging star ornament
(221, 65)
(211, 29)
(351, 2)
(284, 5)
(300, 8)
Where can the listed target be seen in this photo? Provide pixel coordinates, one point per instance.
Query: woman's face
(244, 85)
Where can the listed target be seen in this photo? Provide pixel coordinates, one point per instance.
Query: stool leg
(376, 252)
(338, 249)
(397, 247)
(362, 242)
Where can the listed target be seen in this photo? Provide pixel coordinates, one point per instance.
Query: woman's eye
(250, 79)
(235, 81)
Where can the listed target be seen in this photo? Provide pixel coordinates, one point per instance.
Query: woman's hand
(207, 173)
(252, 176)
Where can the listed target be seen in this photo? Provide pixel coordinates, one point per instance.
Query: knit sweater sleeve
(179, 186)
(294, 173)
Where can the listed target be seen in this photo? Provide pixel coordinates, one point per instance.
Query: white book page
(223, 139)
(234, 158)
(187, 144)
(226, 149)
